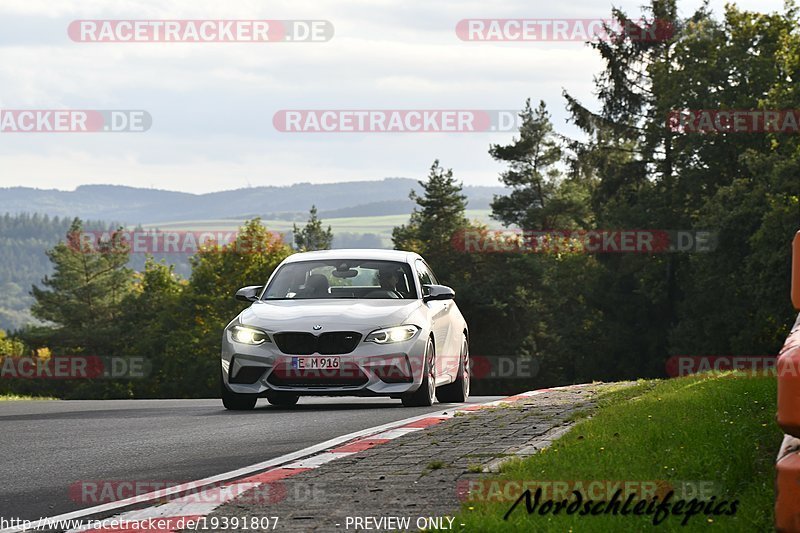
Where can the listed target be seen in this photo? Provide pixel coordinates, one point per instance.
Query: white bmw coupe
(347, 323)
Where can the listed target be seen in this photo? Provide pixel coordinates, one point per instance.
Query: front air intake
(330, 343)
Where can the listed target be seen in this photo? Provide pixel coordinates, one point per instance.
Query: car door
(441, 325)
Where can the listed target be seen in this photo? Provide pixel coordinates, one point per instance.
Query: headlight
(247, 335)
(390, 335)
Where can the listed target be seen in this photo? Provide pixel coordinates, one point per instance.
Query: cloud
(212, 104)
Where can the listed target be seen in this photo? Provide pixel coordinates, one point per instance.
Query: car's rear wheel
(234, 401)
(458, 391)
(282, 399)
(425, 395)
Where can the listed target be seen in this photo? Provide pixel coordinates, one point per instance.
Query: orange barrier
(796, 271)
(787, 486)
(788, 368)
(787, 478)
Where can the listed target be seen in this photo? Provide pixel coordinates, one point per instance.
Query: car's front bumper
(369, 370)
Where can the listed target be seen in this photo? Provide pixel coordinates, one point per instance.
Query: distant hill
(132, 205)
(362, 215)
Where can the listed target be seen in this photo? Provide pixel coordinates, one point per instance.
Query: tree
(155, 313)
(206, 305)
(628, 145)
(648, 174)
(82, 296)
(10, 347)
(738, 300)
(630, 157)
(312, 236)
(438, 216)
(537, 200)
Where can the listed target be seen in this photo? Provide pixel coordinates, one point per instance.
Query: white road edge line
(277, 461)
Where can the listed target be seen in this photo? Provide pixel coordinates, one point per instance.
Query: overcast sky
(212, 104)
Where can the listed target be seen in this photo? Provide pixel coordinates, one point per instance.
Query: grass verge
(15, 397)
(712, 434)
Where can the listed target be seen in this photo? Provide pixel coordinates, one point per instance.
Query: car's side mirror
(249, 294)
(437, 292)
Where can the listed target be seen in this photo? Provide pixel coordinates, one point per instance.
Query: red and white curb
(174, 515)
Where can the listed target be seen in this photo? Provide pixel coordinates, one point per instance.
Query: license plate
(315, 363)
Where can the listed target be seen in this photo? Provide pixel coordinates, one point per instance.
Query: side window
(423, 273)
(434, 280)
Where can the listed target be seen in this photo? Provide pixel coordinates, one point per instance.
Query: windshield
(342, 278)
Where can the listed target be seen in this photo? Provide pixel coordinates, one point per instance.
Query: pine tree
(539, 198)
(312, 236)
(82, 296)
(629, 147)
(438, 216)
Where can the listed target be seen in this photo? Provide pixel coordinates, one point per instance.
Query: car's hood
(332, 315)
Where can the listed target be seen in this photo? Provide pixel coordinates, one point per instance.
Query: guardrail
(787, 466)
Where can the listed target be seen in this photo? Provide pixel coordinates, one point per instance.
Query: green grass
(719, 429)
(16, 397)
(381, 225)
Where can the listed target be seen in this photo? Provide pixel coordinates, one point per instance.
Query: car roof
(371, 254)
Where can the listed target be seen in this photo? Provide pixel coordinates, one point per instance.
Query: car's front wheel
(425, 395)
(236, 402)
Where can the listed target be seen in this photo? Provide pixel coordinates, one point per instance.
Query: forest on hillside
(25, 239)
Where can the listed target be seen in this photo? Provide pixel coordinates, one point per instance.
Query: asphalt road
(50, 446)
